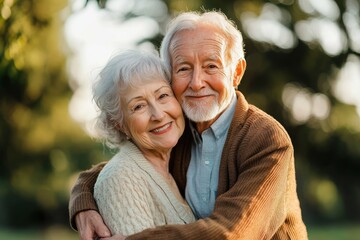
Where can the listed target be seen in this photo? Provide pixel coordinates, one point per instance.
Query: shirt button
(207, 162)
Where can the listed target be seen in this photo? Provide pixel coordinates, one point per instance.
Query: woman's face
(153, 117)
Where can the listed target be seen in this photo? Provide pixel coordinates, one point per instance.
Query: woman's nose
(157, 113)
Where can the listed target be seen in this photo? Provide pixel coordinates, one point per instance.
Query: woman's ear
(118, 126)
(122, 128)
(239, 72)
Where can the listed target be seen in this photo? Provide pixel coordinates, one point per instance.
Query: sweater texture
(256, 197)
(132, 196)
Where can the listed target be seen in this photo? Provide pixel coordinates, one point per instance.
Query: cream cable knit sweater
(132, 195)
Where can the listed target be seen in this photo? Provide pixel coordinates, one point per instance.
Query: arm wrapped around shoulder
(81, 196)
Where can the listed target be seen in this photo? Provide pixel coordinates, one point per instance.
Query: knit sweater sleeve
(81, 197)
(257, 204)
(125, 201)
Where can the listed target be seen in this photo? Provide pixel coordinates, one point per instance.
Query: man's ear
(239, 72)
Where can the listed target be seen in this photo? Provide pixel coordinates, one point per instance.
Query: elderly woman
(140, 116)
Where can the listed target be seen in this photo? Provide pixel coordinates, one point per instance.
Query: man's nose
(197, 79)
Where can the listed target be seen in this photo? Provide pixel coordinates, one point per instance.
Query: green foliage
(41, 147)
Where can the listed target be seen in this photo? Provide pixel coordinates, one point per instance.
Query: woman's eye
(138, 107)
(164, 95)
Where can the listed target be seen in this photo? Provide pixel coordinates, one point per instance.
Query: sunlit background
(303, 68)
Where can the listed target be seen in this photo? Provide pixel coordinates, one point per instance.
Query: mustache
(202, 92)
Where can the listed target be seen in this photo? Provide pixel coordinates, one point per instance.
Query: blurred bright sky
(94, 35)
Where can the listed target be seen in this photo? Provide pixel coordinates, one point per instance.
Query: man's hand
(116, 237)
(91, 225)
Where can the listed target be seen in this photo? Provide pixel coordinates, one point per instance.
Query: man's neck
(202, 126)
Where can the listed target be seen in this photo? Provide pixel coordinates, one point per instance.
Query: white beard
(199, 113)
(202, 110)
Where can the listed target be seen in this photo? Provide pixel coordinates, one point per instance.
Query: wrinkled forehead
(200, 31)
(205, 41)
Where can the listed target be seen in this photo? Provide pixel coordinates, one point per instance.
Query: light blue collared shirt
(203, 172)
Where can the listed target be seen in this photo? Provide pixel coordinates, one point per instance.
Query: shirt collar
(222, 124)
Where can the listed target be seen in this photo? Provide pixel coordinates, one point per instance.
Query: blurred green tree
(40, 145)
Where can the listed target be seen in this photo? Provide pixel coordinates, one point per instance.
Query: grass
(335, 232)
(52, 233)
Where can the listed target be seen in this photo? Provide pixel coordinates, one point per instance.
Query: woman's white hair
(127, 69)
(192, 20)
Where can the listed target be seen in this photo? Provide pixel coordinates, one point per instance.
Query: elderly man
(234, 164)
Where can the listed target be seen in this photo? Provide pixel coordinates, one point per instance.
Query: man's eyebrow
(214, 57)
(180, 59)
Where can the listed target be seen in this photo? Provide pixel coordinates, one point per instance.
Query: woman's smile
(162, 129)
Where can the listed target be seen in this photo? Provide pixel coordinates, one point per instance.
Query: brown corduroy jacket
(257, 196)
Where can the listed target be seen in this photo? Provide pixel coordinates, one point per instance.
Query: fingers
(82, 224)
(101, 229)
(116, 237)
(90, 225)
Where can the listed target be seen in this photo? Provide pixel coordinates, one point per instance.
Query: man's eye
(183, 69)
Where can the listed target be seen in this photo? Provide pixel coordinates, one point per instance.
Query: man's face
(201, 77)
